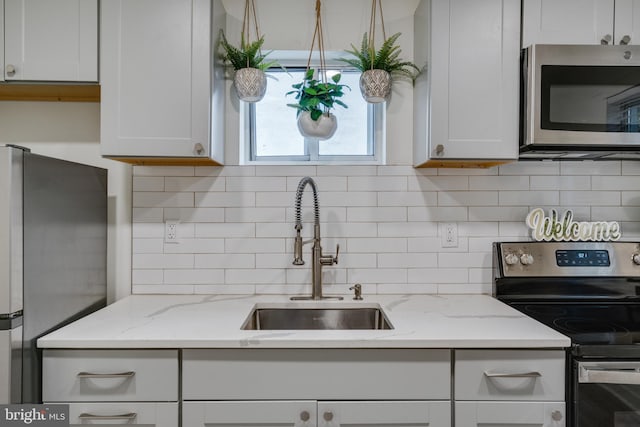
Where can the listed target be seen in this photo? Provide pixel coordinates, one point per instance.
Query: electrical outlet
(449, 235)
(171, 231)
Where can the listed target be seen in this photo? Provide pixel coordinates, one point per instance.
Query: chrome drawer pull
(532, 374)
(130, 416)
(116, 375)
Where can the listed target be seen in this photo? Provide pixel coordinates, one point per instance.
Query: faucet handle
(330, 260)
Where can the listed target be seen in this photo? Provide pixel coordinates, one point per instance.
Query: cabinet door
(245, 413)
(384, 414)
(156, 78)
(124, 413)
(51, 40)
(474, 85)
(512, 414)
(568, 21)
(627, 22)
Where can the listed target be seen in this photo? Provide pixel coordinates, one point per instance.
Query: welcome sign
(556, 228)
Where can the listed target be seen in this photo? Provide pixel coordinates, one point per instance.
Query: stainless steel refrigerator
(53, 240)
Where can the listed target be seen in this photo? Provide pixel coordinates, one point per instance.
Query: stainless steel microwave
(580, 102)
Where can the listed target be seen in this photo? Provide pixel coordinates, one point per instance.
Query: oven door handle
(609, 376)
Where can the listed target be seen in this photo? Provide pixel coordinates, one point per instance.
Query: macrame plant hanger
(249, 12)
(375, 6)
(318, 36)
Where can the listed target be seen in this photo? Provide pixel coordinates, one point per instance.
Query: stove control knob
(636, 259)
(526, 259)
(511, 259)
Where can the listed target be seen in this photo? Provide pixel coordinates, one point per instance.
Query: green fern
(248, 55)
(387, 58)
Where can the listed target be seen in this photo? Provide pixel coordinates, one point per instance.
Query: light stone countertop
(214, 321)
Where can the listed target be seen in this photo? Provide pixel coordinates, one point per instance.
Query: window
(272, 134)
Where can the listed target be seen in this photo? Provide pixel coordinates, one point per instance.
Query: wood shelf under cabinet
(49, 92)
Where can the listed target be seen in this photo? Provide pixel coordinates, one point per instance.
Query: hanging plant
(248, 61)
(379, 67)
(318, 95)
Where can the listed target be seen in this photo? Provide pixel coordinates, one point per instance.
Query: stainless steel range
(589, 291)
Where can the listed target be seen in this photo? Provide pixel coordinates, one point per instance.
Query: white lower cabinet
(123, 387)
(509, 388)
(320, 414)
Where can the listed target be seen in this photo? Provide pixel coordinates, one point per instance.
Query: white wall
(71, 131)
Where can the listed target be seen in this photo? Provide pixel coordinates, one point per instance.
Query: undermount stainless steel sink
(297, 318)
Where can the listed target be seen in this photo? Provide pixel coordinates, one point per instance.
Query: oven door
(606, 394)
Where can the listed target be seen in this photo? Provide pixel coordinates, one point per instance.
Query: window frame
(376, 129)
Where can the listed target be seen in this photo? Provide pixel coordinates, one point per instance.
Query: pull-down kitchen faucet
(317, 259)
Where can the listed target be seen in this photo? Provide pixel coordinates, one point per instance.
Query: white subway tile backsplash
(195, 246)
(225, 230)
(207, 261)
(262, 183)
(567, 183)
(236, 223)
(590, 198)
(403, 198)
(194, 184)
(468, 198)
(376, 214)
(145, 199)
(615, 183)
(499, 183)
(376, 245)
(225, 200)
(528, 198)
(251, 214)
(194, 215)
(589, 167)
(148, 183)
(194, 277)
(254, 246)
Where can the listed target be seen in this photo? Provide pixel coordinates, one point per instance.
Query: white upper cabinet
(466, 100)
(159, 102)
(580, 22)
(48, 40)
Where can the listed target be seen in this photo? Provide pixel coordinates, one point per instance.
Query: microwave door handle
(609, 376)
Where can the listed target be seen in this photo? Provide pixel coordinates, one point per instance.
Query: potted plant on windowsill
(380, 67)
(249, 63)
(316, 98)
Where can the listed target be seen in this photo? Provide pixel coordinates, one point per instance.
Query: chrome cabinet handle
(439, 149)
(532, 374)
(328, 416)
(625, 39)
(129, 416)
(128, 374)
(199, 149)
(608, 376)
(606, 39)
(305, 416)
(11, 70)
(556, 416)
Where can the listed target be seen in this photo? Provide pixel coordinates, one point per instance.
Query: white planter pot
(250, 84)
(375, 86)
(323, 128)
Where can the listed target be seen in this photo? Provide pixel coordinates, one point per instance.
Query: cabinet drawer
(316, 374)
(110, 375)
(510, 375)
(124, 413)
